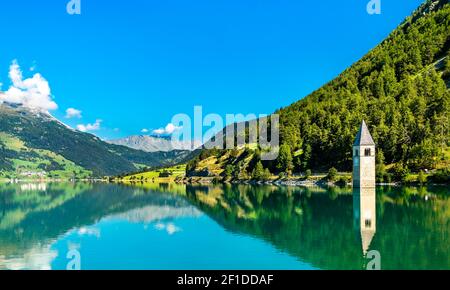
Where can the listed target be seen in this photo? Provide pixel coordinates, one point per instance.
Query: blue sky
(136, 63)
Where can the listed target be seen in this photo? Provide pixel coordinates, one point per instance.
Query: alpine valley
(35, 144)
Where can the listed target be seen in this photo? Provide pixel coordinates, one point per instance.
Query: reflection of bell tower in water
(364, 213)
(364, 205)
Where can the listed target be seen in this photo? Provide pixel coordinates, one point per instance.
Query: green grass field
(158, 175)
(24, 159)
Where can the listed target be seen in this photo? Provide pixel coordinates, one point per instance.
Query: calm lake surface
(169, 226)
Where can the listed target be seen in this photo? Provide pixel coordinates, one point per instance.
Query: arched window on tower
(356, 152)
(367, 152)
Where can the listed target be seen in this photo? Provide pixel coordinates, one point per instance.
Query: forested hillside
(401, 90)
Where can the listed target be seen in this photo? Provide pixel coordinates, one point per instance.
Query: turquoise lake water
(169, 226)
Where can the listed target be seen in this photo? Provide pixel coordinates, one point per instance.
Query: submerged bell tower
(363, 158)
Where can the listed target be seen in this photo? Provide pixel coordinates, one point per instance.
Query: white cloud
(73, 113)
(144, 130)
(15, 74)
(169, 129)
(32, 93)
(90, 127)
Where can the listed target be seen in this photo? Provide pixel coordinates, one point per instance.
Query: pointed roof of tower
(363, 137)
(366, 239)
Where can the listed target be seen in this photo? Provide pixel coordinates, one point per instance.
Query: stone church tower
(363, 159)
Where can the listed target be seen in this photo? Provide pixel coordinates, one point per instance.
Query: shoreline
(289, 183)
(212, 180)
(49, 180)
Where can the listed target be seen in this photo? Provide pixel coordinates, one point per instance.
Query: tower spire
(363, 137)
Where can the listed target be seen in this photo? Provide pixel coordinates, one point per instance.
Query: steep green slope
(398, 88)
(401, 89)
(84, 152)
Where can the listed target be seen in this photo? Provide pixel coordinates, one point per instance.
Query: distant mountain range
(153, 143)
(33, 143)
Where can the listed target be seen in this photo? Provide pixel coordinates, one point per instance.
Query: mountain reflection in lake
(162, 226)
